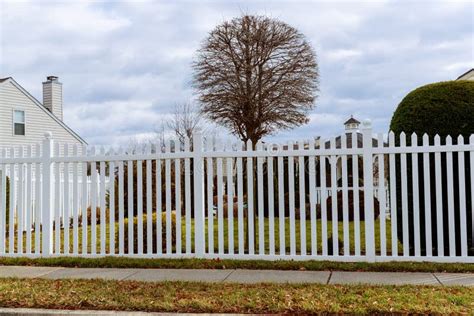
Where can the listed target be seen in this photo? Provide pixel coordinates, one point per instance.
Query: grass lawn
(121, 262)
(236, 237)
(310, 265)
(233, 298)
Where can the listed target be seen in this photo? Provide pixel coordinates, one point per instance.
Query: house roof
(470, 70)
(41, 106)
(338, 142)
(351, 121)
(359, 141)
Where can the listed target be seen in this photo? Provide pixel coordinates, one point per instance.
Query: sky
(125, 64)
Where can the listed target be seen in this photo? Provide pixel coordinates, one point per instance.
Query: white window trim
(13, 122)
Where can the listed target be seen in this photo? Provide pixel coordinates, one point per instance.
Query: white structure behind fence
(399, 200)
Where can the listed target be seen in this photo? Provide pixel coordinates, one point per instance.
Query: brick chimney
(53, 96)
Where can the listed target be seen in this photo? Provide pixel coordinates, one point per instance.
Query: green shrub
(154, 232)
(444, 108)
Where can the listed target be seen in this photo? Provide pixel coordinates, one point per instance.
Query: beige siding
(468, 76)
(37, 120)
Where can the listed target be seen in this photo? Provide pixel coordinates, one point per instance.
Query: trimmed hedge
(350, 204)
(444, 108)
(154, 232)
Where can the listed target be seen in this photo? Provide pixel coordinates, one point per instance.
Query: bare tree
(186, 120)
(256, 75)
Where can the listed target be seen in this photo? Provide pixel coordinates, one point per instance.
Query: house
(24, 120)
(468, 75)
(351, 127)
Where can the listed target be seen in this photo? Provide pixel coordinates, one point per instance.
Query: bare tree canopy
(256, 75)
(185, 122)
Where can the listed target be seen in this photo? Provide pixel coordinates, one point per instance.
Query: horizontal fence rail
(357, 197)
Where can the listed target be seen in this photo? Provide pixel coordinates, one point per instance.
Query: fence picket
(111, 204)
(302, 199)
(187, 190)
(355, 185)
(169, 227)
(11, 233)
(382, 197)
(139, 204)
(240, 205)
(149, 204)
(210, 197)
(260, 185)
(102, 192)
(75, 202)
(56, 203)
(281, 205)
(94, 193)
(427, 196)
(130, 209)
(334, 204)
(220, 207)
(28, 200)
(67, 201)
(121, 197)
(416, 193)
(250, 200)
(393, 195)
(291, 199)
(449, 175)
(403, 170)
(439, 199)
(84, 202)
(20, 201)
(230, 204)
(271, 203)
(462, 199)
(312, 200)
(345, 197)
(38, 196)
(177, 187)
(324, 221)
(159, 206)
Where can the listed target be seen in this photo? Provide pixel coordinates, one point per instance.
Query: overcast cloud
(125, 64)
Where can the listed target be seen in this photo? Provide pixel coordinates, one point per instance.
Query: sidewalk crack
(49, 272)
(129, 276)
(434, 275)
(329, 279)
(232, 271)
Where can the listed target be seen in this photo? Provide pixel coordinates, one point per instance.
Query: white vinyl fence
(339, 199)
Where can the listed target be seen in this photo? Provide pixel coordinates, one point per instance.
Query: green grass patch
(233, 298)
(310, 265)
(215, 234)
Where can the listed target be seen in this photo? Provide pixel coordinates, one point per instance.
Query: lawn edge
(220, 264)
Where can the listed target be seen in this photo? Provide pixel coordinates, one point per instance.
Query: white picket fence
(299, 201)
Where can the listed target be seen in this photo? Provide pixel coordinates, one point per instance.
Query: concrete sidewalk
(240, 276)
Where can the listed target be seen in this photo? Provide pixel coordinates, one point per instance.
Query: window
(18, 122)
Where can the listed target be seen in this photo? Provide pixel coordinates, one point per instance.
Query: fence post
(368, 190)
(198, 182)
(47, 202)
